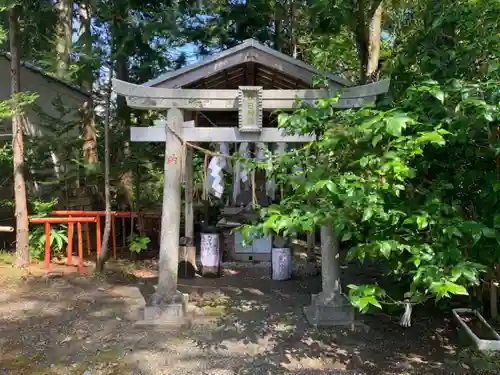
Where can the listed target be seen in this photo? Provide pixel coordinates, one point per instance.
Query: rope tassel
(405, 320)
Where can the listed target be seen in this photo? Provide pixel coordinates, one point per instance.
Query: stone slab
(169, 315)
(211, 271)
(335, 314)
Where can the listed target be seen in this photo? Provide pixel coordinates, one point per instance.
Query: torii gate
(250, 102)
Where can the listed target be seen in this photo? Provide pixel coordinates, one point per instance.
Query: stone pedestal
(210, 271)
(167, 314)
(337, 312)
(330, 307)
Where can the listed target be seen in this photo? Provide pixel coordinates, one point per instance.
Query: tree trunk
(311, 246)
(64, 34)
(119, 37)
(101, 259)
(293, 32)
(367, 29)
(89, 130)
(278, 20)
(374, 39)
(21, 204)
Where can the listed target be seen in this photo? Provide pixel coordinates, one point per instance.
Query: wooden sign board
(250, 109)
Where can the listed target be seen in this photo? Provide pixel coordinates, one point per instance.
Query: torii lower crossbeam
(205, 134)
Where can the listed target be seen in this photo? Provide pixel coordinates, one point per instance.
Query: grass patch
(10, 275)
(214, 310)
(481, 362)
(216, 306)
(7, 258)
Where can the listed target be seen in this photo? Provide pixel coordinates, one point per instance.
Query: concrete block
(169, 314)
(336, 313)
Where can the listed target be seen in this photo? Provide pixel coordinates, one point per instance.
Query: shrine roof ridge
(248, 44)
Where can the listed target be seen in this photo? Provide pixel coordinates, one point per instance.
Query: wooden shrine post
(328, 308)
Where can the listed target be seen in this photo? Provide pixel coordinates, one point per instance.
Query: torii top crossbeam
(250, 79)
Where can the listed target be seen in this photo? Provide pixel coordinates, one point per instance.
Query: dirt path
(244, 324)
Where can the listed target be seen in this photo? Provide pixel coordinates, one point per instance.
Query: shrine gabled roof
(249, 63)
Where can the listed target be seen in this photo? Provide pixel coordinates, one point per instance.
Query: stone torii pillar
(167, 305)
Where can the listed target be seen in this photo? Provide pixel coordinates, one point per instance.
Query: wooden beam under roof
(250, 51)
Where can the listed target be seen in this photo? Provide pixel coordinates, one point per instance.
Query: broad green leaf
(439, 95)
(376, 139)
(396, 123)
(453, 231)
(422, 222)
(59, 242)
(456, 289)
(352, 253)
(443, 289)
(346, 236)
(432, 137)
(493, 66)
(331, 187)
(394, 126)
(364, 302)
(385, 249)
(367, 214)
(489, 233)
(416, 260)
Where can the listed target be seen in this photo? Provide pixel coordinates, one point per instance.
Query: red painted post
(69, 259)
(80, 248)
(87, 237)
(97, 215)
(124, 235)
(47, 246)
(98, 235)
(47, 221)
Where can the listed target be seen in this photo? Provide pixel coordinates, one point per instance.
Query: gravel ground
(241, 323)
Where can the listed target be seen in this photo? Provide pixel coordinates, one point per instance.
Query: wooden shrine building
(229, 98)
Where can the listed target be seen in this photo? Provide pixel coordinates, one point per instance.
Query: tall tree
(121, 44)
(37, 30)
(21, 204)
(64, 35)
(362, 19)
(87, 80)
(101, 258)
